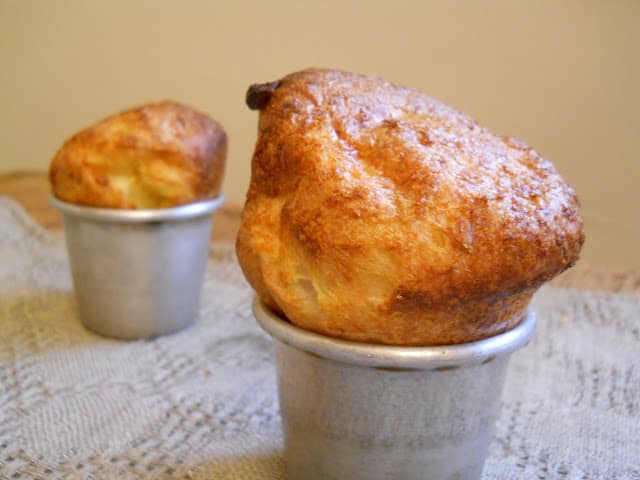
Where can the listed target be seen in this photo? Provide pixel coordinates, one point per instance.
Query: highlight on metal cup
(138, 273)
(361, 411)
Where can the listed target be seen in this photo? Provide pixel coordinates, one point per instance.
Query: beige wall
(561, 75)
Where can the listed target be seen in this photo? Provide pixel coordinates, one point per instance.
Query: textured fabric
(202, 403)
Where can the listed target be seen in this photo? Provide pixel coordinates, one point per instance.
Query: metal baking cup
(361, 411)
(138, 273)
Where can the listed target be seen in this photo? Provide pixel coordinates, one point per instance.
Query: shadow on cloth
(242, 467)
(46, 321)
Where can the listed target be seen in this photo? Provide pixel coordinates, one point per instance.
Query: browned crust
(156, 155)
(376, 213)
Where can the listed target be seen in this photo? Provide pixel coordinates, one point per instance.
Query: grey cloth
(202, 403)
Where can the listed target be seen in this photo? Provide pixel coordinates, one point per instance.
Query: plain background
(563, 76)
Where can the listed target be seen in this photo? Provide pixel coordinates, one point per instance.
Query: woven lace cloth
(202, 404)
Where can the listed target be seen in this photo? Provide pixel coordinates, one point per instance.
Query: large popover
(157, 155)
(378, 214)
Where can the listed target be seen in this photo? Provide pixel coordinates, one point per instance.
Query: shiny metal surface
(358, 411)
(138, 273)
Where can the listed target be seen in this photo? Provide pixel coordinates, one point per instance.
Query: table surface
(31, 190)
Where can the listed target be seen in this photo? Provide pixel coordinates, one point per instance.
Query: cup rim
(393, 357)
(180, 212)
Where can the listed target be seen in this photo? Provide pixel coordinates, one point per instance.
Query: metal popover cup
(361, 411)
(138, 273)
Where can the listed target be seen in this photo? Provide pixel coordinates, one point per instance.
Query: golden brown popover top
(378, 214)
(157, 155)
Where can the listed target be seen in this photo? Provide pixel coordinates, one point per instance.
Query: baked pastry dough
(157, 155)
(378, 214)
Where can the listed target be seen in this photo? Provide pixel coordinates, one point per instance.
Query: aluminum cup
(138, 273)
(361, 411)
